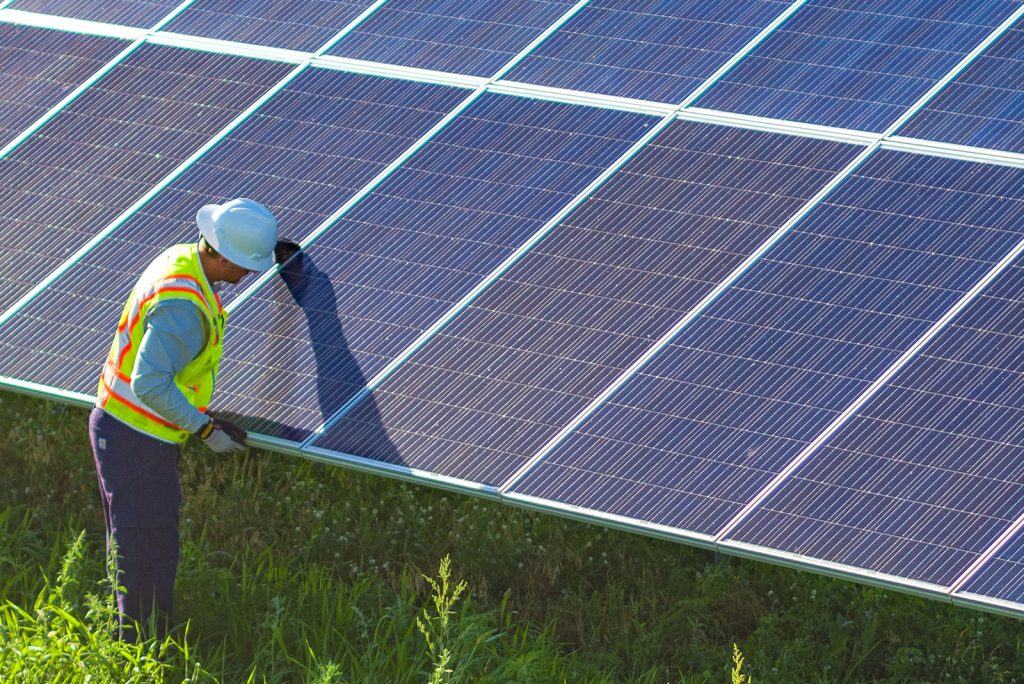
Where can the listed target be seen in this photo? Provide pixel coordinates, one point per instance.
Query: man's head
(240, 236)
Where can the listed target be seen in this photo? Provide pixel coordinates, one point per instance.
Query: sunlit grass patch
(295, 571)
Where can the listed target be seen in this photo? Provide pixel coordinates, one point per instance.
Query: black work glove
(285, 250)
(222, 436)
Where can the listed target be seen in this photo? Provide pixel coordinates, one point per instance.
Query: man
(153, 394)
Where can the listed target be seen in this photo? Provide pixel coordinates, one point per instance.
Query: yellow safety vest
(176, 274)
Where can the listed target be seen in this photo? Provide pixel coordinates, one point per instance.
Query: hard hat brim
(206, 220)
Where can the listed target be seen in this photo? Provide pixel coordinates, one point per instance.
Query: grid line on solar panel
(357, 69)
(112, 149)
(390, 281)
(344, 410)
(638, 412)
(26, 129)
(697, 310)
(304, 26)
(869, 88)
(983, 106)
(476, 37)
(472, 294)
(145, 14)
(556, 332)
(639, 58)
(371, 122)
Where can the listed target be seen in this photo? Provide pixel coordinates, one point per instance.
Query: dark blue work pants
(141, 494)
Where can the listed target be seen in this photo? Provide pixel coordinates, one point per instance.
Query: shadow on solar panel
(337, 372)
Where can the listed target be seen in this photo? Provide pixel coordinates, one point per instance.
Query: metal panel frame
(988, 604)
(579, 514)
(70, 25)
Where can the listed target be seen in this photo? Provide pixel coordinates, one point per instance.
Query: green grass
(299, 572)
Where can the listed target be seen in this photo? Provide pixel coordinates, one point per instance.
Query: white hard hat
(243, 231)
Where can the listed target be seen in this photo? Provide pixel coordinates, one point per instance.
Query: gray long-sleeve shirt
(175, 334)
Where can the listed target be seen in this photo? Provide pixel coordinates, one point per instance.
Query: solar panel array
(744, 275)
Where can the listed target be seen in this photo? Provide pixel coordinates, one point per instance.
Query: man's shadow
(338, 376)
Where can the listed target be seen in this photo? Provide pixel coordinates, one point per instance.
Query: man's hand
(222, 436)
(285, 250)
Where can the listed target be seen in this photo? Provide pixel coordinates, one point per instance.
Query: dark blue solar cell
(67, 181)
(649, 49)
(1003, 576)
(926, 475)
(40, 67)
(855, 64)
(507, 373)
(397, 261)
(303, 153)
(475, 37)
(305, 25)
(768, 366)
(984, 106)
(142, 13)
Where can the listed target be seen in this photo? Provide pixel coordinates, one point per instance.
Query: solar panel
(924, 477)
(305, 25)
(305, 152)
(115, 141)
(40, 68)
(855, 64)
(141, 13)
(739, 393)
(588, 300)
(475, 37)
(528, 276)
(408, 251)
(982, 107)
(653, 49)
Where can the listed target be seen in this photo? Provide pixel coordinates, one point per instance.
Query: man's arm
(175, 334)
